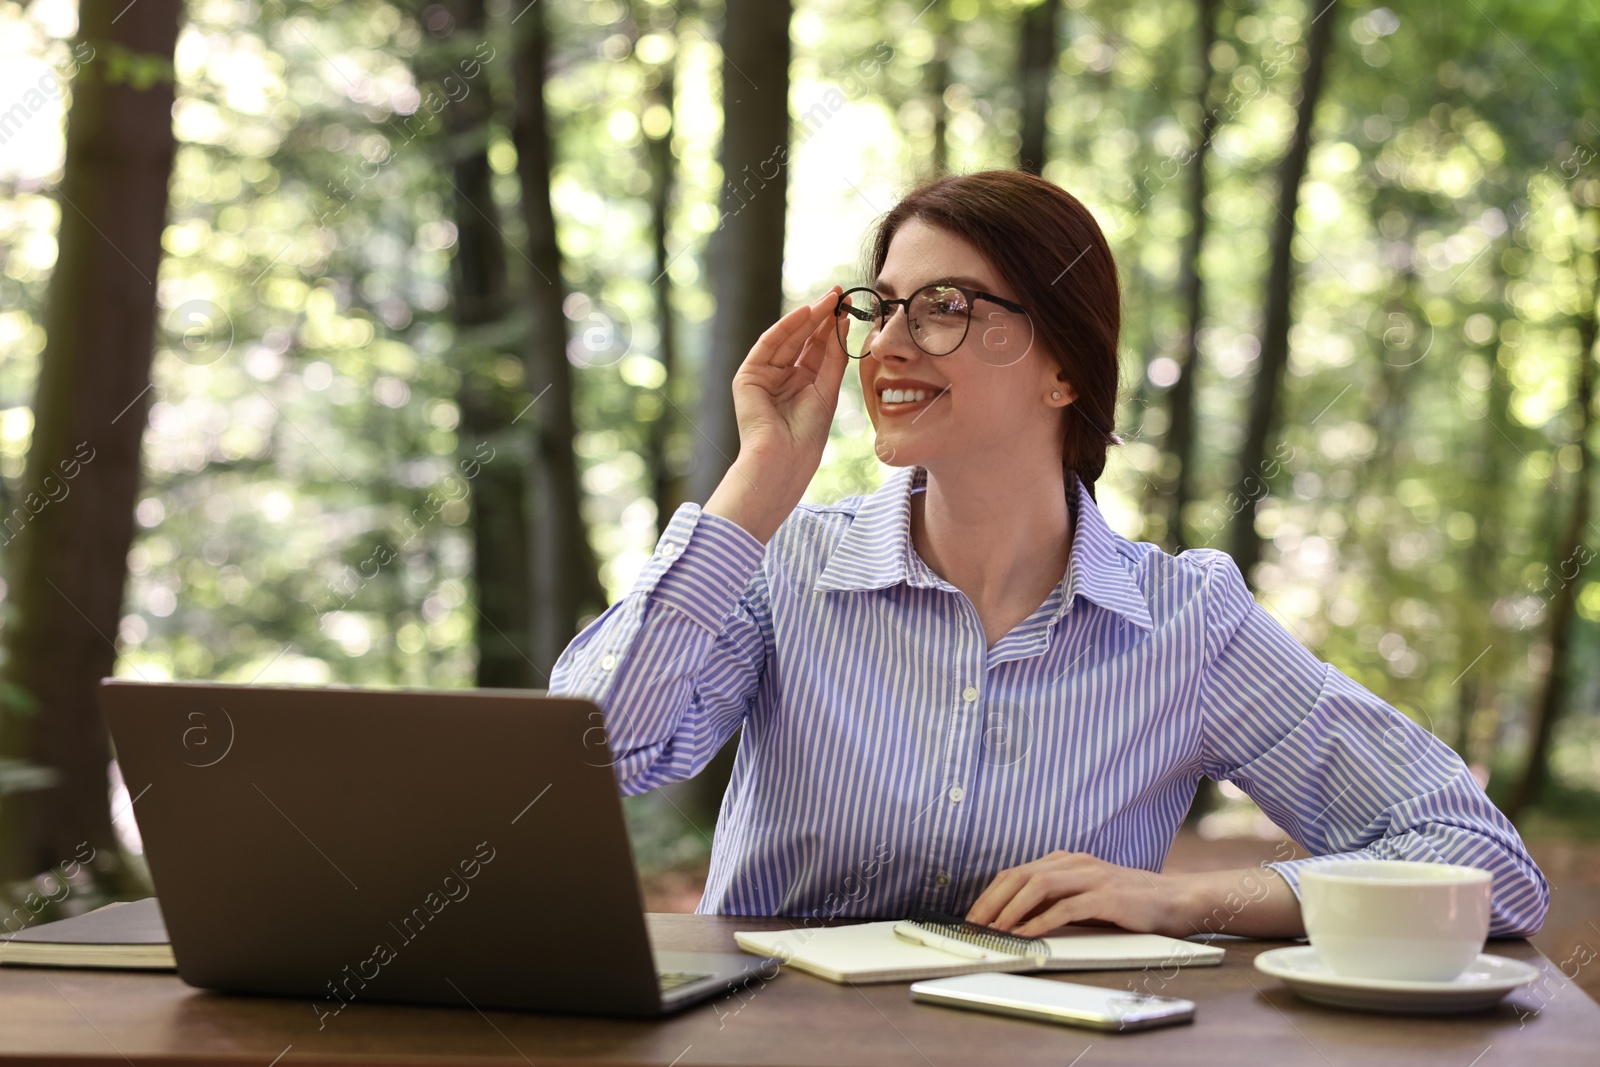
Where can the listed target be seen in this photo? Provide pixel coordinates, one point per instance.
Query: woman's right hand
(784, 396)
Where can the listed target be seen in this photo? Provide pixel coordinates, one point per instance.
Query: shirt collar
(876, 552)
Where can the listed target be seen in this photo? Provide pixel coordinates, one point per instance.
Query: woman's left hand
(1075, 887)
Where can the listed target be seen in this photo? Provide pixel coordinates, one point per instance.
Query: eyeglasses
(938, 317)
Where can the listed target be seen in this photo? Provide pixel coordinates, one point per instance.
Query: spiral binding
(978, 934)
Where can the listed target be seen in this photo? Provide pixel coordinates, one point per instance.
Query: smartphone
(1057, 1002)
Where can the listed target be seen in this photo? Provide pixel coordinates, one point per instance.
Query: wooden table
(1243, 1016)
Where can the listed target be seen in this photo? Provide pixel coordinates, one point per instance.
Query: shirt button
(669, 548)
(941, 879)
(955, 794)
(969, 694)
(608, 663)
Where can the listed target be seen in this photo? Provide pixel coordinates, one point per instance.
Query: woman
(963, 691)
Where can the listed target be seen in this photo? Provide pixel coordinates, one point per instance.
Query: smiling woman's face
(986, 402)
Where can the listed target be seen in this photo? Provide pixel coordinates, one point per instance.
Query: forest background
(374, 342)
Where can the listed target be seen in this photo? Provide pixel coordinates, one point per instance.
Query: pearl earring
(1055, 394)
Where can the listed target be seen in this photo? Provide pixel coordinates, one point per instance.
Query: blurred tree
(566, 580)
(1179, 441)
(1570, 557)
(1481, 648)
(936, 77)
(1277, 317)
(70, 536)
(1036, 65)
(746, 254)
(1191, 287)
(666, 445)
(480, 305)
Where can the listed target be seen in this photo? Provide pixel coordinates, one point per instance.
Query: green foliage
(305, 516)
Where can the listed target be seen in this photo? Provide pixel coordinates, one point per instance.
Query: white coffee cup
(1395, 919)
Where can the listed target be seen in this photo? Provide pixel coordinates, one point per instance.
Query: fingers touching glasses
(938, 318)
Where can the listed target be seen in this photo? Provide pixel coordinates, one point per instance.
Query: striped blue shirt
(889, 760)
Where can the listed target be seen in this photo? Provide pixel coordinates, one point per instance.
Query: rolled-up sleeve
(1341, 771)
(674, 664)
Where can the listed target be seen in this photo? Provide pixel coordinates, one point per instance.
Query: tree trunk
(665, 440)
(1481, 651)
(565, 577)
(1571, 555)
(490, 460)
(1037, 62)
(938, 80)
(70, 535)
(1246, 547)
(1191, 286)
(746, 257)
(747, 249)
(1181, 400)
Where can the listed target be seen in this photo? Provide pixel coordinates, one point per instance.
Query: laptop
(343, 845)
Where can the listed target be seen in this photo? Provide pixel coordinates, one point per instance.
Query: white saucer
(1481, 985)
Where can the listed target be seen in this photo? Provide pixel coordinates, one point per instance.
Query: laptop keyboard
(671, 980)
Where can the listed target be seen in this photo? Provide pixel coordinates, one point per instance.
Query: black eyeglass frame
(884, 302)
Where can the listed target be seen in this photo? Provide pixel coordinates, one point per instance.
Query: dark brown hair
(1050, 251)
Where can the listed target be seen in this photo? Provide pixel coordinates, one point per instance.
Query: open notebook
(935, 946)
(130, 936)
